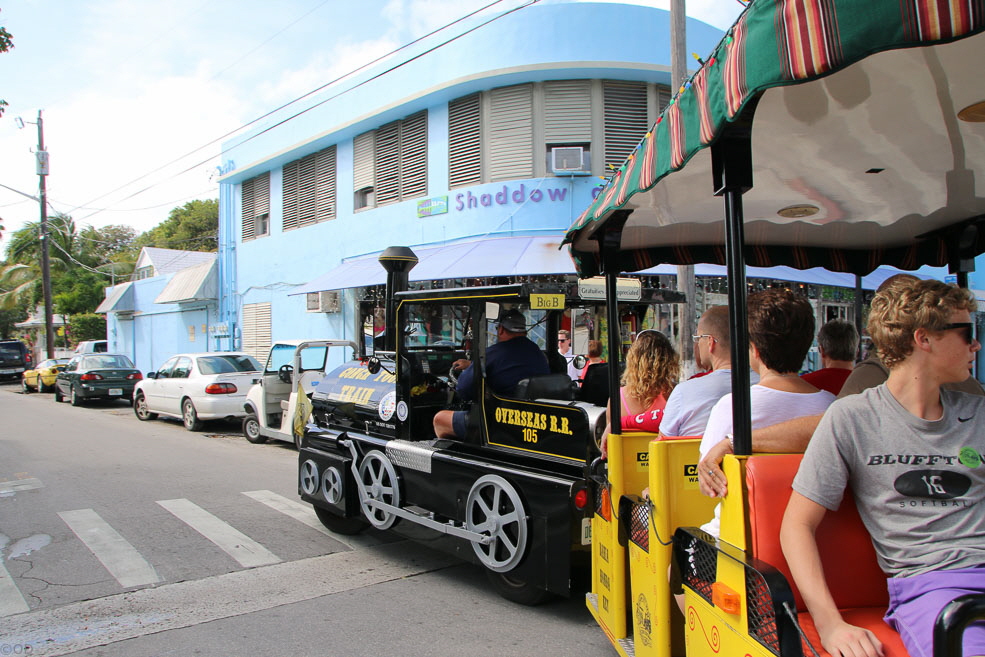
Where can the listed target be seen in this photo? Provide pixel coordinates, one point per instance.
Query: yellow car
(42, 377)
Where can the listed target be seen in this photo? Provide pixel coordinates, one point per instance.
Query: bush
(87, 326)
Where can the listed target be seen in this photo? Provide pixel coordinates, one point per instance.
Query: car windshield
(105, 362)
(227, 364)
(9, 351)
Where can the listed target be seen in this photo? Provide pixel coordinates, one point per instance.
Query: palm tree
(19, 277)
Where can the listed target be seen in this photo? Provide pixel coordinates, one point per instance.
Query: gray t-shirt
(917, 483)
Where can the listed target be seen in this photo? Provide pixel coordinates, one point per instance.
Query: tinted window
(227, 364)
(12, 350)
(165, 371)
(106, 362)
(182, 369)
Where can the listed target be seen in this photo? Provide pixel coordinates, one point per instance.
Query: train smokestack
(397, 261)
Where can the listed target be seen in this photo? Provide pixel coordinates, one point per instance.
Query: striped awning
(866, 144)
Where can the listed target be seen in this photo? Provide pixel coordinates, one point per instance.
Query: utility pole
(42, 155)
(685, 273)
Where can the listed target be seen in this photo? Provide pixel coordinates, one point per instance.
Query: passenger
(594, 357)
(793, 435)
(652, 370)
(837, 343)
(513, 358)
(781, 330)
(689, 406)
(911, 452)
(564, 347)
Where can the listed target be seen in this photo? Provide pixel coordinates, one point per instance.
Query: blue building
(501, 129)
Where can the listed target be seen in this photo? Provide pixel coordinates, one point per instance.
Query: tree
(80, 291)
(108, 244)
(192, 227)
(87, 327)
(6, 43)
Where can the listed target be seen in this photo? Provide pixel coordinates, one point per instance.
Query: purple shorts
(460, 423)
(915, 602)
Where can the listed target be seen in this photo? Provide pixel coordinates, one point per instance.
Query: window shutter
(363, 147)
(663, 98)
(290, 194)
(511, 134)
(625, 119)
(414, 156)
(325, 166)
(256, 330)
(464, 142)
(388, 163)
(568, 111)
(306, 190)
(255, 203)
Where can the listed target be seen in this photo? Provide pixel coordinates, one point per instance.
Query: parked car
(97, 376)
(15, 357)
(197, 387)
(92, 347)
(42, 378)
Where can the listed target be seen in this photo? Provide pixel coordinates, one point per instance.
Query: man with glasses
(564, 348)
(690, 404)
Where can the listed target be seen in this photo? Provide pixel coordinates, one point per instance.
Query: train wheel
(494, 509)
(517, 590)
(308, 477)
(379, 479)
(340, 525)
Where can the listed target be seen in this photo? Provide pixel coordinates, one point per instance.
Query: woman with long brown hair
(652, 370)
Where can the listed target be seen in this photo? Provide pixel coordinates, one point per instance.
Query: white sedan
(197, 387)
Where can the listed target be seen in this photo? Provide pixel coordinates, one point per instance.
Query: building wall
(543, 42)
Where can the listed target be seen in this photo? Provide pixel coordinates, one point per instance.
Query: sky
(137, 95)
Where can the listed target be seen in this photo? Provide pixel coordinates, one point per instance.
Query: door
(174, 387)
(153, 388)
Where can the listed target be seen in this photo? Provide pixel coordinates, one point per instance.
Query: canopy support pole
(610, 239)
(731, 158)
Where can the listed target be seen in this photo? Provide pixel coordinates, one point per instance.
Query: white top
(690, 404)
(768, 407)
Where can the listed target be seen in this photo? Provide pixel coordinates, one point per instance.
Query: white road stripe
(11, 600)
(7, 487)
(115, 553)
(236, 544)
(305, 514)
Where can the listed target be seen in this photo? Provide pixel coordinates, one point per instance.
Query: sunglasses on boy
(967, 330)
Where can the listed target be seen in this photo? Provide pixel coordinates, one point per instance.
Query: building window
(464, 142)
(256, 322)
(625, 119)
(568, 126)
(256, 206)
(309, 189)
(390, 163)
(510, 135)
(143, 272)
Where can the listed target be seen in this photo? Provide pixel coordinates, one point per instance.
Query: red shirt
(648, 420)
(828, 378)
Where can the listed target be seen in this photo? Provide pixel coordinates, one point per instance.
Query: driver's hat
(513, 321)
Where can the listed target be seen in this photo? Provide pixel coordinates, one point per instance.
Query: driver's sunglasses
(563, 340)
(967, 330)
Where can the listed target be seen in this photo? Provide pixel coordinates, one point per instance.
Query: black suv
(15, 357)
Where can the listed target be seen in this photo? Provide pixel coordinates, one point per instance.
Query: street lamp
(42, 169)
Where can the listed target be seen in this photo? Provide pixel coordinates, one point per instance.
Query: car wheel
(24, 387)
(42, 387)
(251, 430)
(140, 409)
(189, 416)
(58, 394)
(74, 397)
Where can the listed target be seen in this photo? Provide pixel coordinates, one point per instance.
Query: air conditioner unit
(323, 302)
(568, 160)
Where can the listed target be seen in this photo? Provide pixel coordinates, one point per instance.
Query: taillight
(135, 376)
(89, 376)
(220, 389)
(581, 499)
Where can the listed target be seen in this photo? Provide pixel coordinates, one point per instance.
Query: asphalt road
(120, 537)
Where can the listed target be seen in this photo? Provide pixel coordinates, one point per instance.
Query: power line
(306, 95)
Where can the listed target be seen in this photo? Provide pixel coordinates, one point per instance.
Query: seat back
(847, 554)
(595, 385)
(546, 386)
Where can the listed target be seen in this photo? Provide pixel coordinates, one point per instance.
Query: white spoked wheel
(494, 509)
(309, 477)
(379, 479)
(331, 485)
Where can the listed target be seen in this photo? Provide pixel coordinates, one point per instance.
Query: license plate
(586, 531)
(8, 371)
(116, 391)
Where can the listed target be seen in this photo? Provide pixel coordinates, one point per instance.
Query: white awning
(119, 300)
(197, 283)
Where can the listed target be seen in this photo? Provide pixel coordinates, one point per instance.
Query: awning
(197, 283)
(119, 300)
(529, 256)
(864, 141)
(498, 256)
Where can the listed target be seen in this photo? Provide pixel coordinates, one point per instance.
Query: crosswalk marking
(11, 600)
(236, 544)
(119, 557)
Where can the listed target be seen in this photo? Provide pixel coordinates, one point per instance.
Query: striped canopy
(867, 146)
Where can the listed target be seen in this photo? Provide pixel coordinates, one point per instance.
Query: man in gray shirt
(912, 455)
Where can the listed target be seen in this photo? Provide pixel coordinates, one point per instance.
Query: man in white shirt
(564, 348)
